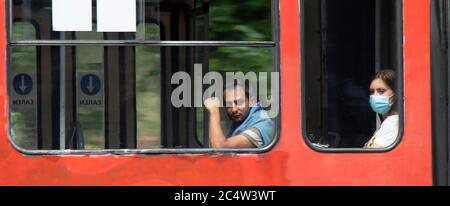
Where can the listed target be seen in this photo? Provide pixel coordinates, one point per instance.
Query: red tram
(351, 40)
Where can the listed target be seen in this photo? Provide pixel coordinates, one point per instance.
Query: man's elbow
(217, 143)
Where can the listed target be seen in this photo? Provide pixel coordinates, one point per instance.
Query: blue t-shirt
(259, 119)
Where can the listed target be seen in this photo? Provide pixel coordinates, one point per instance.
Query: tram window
(94, 93)
(219, 20)
(344, 44)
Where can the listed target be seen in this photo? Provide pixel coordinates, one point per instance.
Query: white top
(388, 132)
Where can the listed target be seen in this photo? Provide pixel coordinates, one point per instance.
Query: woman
(382, 100)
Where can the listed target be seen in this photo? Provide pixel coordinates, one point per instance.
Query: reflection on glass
(216, 20)
(89, 119)
(240, 20)
(148, 92)
(24, 119)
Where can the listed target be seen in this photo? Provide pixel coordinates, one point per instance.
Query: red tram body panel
(290, 162)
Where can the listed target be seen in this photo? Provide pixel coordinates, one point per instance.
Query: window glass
(97, 94)
(90, 122)
(216, 20)
(24, 125)
(148, 92)
(345, 44)
(136, 110)
(240, 20)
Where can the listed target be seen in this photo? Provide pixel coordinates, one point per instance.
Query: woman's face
(379, 88)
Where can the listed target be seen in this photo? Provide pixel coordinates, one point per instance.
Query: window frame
(274, 44)
(399, 81)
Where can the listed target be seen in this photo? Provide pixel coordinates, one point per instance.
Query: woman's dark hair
(387, 76)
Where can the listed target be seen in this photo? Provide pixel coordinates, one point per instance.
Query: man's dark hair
(245, 86)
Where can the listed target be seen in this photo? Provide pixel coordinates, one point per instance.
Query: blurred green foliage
(24, 59)
(235, 20)
(148, 94)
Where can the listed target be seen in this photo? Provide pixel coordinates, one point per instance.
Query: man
(252, 128)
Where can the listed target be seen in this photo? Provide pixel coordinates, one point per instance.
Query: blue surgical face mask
(380, 104)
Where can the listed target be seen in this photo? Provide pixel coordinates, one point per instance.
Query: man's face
(237, 106)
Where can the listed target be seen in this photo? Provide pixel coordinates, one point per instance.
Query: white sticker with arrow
(90, 89)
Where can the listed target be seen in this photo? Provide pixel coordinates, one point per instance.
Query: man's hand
(212, 104)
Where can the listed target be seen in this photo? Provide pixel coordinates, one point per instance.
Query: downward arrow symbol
(22, 86)
(91, 85)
